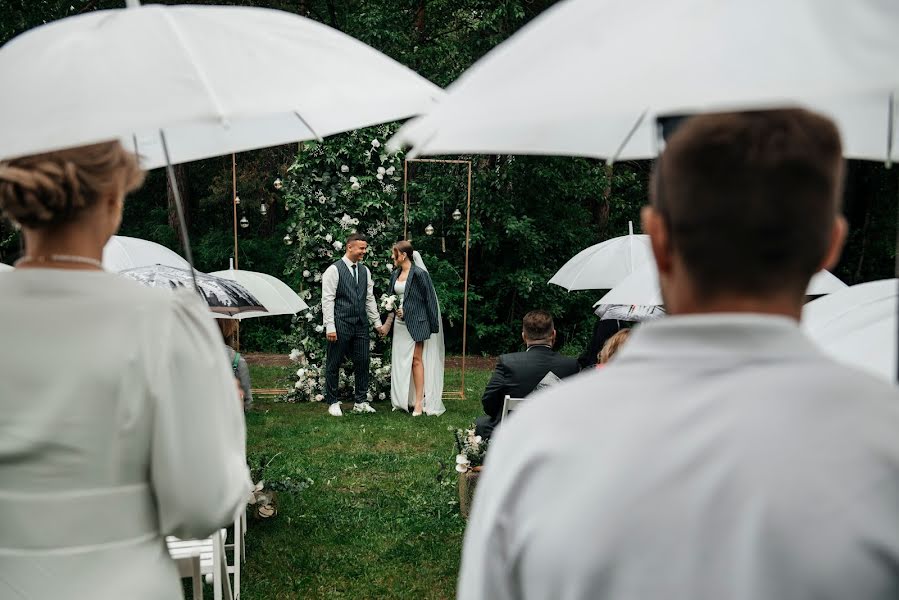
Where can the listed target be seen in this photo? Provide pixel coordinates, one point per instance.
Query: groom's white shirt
(718, 456)
(329, 291)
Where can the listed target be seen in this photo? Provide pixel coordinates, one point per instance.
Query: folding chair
(207, 557)
(510, 404)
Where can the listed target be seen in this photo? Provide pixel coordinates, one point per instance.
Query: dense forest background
(529, 214)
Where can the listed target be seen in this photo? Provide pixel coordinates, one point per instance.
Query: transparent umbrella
(123, 252)
(604, 265)
(277, 297)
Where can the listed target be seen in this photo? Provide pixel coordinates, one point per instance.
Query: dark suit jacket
(518, 374)
(601, 333)
(419, 303)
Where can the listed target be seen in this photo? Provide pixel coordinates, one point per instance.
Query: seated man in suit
(517, 374)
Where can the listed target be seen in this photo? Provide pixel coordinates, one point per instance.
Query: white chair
(510, 404)
(208, 558)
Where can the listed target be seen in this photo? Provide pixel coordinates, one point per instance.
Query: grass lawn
(381, 519)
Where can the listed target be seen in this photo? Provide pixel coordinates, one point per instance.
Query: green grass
(381, 519)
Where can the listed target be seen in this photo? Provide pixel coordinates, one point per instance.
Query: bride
(416, 379)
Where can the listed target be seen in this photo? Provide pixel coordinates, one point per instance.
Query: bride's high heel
(420, 412)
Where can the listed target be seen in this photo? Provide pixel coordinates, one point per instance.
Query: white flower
(301, 373)
(381, 170)
(461, 459)
(371, 345)
(462, 468)
(379, 176)
(294, 354)
(329, 238)
(369, 397)
(318, 277)
(477, 439)
(319, 397)
(375, 143)
(354, 221)
(390, 188)
(319, 328)
(346, 218)
(344, 169)
(298, 384)
(306, 273)
(321, 199)
(374, 264)
(382, 395)
(309, 316)
(390, 170)
(337, 245)
(355, 186)
(353, 179)
(312, 356)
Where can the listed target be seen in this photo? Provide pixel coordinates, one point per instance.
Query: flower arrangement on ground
(263, 500)
(471, 450)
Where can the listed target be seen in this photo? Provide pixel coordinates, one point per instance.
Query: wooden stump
(468, 481)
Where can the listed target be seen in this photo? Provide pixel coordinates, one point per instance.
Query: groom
(348, 300)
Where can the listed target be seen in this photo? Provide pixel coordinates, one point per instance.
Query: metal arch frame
(461, 392)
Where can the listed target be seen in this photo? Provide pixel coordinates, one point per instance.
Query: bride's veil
(433, 355)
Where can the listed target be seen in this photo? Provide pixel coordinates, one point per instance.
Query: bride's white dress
(402, 388)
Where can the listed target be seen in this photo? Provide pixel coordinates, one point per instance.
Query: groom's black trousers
(354, 343)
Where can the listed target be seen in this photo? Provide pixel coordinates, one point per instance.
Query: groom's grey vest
(349, 302)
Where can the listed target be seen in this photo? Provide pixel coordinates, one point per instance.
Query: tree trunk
(602, 208)
(864, 248)
(181, 177)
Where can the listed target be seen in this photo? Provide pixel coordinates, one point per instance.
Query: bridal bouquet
(388, 303)
(471, 450)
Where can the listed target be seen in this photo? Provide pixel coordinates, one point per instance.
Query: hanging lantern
(244, 223)
(237, 200)
(287, 239)
(278, 184)
(457, 215)
(263, 210)
(429, 229)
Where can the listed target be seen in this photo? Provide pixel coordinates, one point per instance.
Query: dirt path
(476, 363)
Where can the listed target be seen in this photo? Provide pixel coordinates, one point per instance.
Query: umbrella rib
(318, 138)
(201, 76)
(627, 138)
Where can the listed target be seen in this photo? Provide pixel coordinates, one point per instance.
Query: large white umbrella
(588, 77)
(642, 287)
(857, 326)
(275, 295)
(211, 79)
(123, 252)
(604, 265)
(5, 267)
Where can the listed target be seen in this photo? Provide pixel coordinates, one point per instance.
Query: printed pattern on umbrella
(629, 312)
(222, 295)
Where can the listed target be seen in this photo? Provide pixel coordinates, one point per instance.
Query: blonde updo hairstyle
(54, 188)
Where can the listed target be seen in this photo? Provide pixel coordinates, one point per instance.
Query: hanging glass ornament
(457, 215)
(263, 210)
(278, 184)
(244, 222)
(237, 200)
(287, 239)
(429, 229)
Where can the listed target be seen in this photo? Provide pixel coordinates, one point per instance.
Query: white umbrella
(642, 287)
(222, 295)
(123, 252)
(588, 77)
(5, 267)
(275, 295)
(628, 312)
(212, 79)
(604, 265)
(857, 326)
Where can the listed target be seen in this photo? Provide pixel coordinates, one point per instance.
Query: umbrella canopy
(212, 79)
(628, 312)
(857, 326)
(604, 265)
(5, 267)
(122, 253)
(642, 287)
(540, 92)
(274, 294)
(222, 295)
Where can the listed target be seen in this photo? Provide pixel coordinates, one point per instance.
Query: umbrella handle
(179, 208)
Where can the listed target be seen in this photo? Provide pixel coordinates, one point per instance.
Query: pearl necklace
(63, 258)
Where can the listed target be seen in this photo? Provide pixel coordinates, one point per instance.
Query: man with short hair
(517, 374)
(348, 301)
(722, 454)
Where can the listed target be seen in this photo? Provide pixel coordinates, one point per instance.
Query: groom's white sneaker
(363, 407)
(334, 410)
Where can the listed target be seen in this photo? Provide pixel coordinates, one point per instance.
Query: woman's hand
(399, 312)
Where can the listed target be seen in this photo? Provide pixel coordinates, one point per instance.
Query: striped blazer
(419, 303)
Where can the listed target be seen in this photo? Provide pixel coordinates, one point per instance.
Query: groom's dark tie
(355, 275)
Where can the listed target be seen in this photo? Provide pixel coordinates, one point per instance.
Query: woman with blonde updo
(114, 432)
